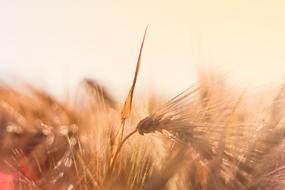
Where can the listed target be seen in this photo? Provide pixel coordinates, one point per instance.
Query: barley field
(212, 136)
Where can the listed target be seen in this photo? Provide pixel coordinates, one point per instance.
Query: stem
(88, 172)
(123, 129)
(119, 149)
(119, 130)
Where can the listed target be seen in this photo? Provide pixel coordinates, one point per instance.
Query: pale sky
(55, 43)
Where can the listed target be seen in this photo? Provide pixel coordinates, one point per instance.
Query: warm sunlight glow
(57, 43)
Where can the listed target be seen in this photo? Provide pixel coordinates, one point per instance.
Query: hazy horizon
(54, 44)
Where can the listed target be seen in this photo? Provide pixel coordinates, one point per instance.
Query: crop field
(212, 136)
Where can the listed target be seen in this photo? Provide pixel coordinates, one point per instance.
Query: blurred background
(54, 44)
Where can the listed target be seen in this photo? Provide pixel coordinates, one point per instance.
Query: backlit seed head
(147, 125)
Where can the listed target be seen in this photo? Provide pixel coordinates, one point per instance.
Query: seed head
(147, 125)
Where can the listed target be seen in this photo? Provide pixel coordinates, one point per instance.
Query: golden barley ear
(127, 108)
(99, 92)
(128, 103)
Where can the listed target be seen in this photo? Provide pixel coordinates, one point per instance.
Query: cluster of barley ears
(209, 137)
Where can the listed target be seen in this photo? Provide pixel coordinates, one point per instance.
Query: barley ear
(127, 109)
(128, 103)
